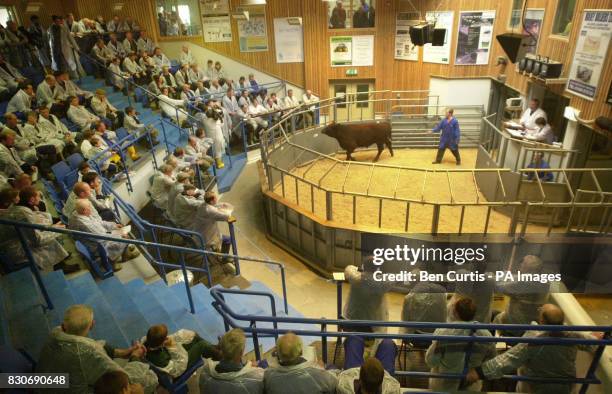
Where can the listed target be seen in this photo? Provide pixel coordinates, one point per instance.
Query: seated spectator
(210, 69)
(187, 94)
(101, 24)
(539, 360)
(56, 132)
(449, 357)
(147, 63)
(69, 350)
(103, 203)
(182, 179)
(45, 150)
(8, 196)
(250, 125)
(133, 126)
(275, 109)
(187, 57)
(114, 25)
(130, 25)
(163, 180)
(258, 112)
(537, 161)
(310, 100)
(80, 191)
(480, 292)
(129, 43)
(195, 74)
(169, 80)
(245, 98)
(69, 88)
(103, 108)
(205, 222)
(174, 354)
(524, 298)
(160, 59)
(102, 53)
(231, 375)
(218, 72)
(426, 302)
(79, 115)
(294, 371)
(117, 76)
(145, 43)
(22, 101)
(84, 168)
(47, 95)
(253, 83)
(369, 377)
(137, 73)
(158, 83)
(22, 144)
(46, 250)
(195, 155)
(116, 382)
(243, 84)
(543, 133)
(111, 136)
(11, 75)
(11, 164)
(182, 75)
(30, 197)
(116, 48)
(85, 220)
(93, 146)
(184, 206)
(173, 109)
(288, 103)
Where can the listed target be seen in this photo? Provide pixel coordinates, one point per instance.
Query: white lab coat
(132, 125)
(528, 119)
(290, 102)
(160, 188)
(47, 97)
(10, 162)
(256, 110)
(116, 48)
(214, 130)
(38, 136)
(130, 46)
(249, 380)
(161, 61)
(182, 77)
(10, 78)
(95, 225)
(303, 378)
(187, 58)
(179, 358)
(20, 102)
(104, 54)
(195, 76)
(132, 66)
(116, 74)
(24, 146)
(174, 192)
(169, 107)
(101, 106)
(80, 116)
(205, 223)
(347, 378)
(543, 135)
(72, 89)
(367, 298)
(426, 302)
(184, 206)
(146, 45)
(310, 101)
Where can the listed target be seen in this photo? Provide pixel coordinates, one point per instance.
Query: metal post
(339, 299)
(596, 357)
(435, 218)
(286, 304)
(186, 279)
(329, 210)
(324, 343)
(234, 246)
(255, 340)
(33, 267)
(165, 137)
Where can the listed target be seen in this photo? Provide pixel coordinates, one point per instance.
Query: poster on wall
(253, 34)
(590, 53)
(351, 50)
(289, 41)
(474, 37)
(532, 25)
(439, 54)
(404, 49)
(217, 28)
(341, 50)
(214, 7)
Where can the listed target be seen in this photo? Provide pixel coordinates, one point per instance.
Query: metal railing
(345, 328)
(19, 228)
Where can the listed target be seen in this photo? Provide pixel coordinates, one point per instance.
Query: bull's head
(331, 130)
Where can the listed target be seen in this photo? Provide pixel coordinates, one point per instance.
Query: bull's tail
(388, 143)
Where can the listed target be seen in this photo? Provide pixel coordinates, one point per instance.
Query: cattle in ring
(351, 136)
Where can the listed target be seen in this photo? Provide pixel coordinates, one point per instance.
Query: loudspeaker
(419, 34)
(515, 45)
(438, 37)
(551, 70)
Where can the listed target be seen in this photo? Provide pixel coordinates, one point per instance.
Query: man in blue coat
(449, 136)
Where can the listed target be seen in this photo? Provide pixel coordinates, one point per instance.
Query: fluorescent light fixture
(253, 2)
(294, 21)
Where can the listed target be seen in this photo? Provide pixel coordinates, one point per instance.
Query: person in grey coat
(294, 371)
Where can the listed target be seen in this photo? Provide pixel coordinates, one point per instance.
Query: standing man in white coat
(172, 108)
(211, 120)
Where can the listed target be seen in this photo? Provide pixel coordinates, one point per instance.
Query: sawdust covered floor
(404, 184)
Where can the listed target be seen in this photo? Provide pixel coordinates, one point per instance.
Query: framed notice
(532, 26)
(590, 53)
(253, 34)
(288, 41)
(439, 54)
(404, 48)
(351, 50)
(214, 7)
(474, 37)
(217, 28)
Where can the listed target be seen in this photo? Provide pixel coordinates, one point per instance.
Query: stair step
(150, 308)
(178, 311)
(27, 324)
(59, 291)
(131, 321)
(86, 292)
(208, 318)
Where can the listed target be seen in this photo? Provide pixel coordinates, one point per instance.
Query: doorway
(352, 100)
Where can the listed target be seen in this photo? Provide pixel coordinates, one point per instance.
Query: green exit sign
(351, 72)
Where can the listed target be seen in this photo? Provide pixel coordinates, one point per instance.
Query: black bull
(352, 136)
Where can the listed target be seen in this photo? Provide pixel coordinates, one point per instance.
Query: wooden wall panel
(48, 8)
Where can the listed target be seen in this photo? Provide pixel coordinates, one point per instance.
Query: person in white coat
(131, 66)
(195, 73)
(309, 100)
(529, 116)
(182, 179)
(163, 180)
(160, 59)
(145, 43)
(290, 102)
(186, 56)
(370, 377)
(184, 206)
(102, 53)
(48, 95)
(116, 47)
(426, 302)
(205, 223)
(54, 131)
(102, 107)
(117, 75)
(449, 357)
(22, 100)
(169, 80)
(172, 108)
(231, 375)
(11, 165)
(10, 75)
(68, 88)
(64, 49)
(79, 115)
(129, 43)
(210, 118)
(182, 75)
(304, 377)
(543, 133)
(133, 125)
(46, 147)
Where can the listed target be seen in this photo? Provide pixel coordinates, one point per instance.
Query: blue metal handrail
(230, 318)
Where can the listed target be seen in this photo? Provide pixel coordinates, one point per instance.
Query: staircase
(412, 131)
(122, 312)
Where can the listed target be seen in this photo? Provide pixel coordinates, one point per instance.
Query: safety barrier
(322, 329)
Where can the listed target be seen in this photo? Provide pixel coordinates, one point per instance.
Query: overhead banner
(289, 41)
(474, 37)
(439, 54)
(217, 28)
(253, 34)
(352, 50)
(214, 7)
(532, 26)
(590, 54)
(404, 49)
